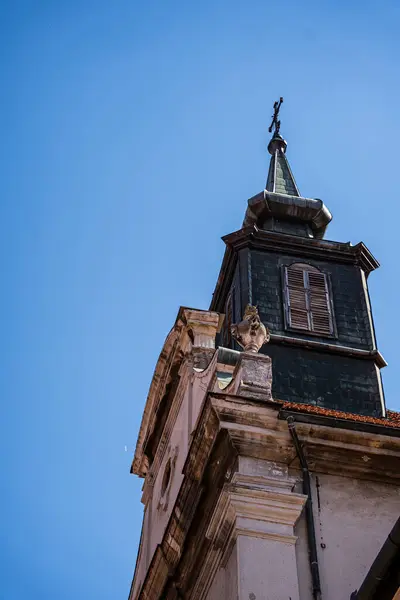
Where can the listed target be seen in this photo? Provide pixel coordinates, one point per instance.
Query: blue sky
(133, 135)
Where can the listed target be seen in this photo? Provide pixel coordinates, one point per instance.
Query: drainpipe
(312, 545)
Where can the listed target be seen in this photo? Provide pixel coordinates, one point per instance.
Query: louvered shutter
(296, 298)
(320, 309)
(307, 300)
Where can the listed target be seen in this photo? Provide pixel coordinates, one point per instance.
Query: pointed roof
(280, 177)
(280, 207)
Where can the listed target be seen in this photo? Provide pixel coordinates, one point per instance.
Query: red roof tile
(391, 420)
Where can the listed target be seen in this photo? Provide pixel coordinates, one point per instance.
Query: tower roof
(280, 177)
(280, 206)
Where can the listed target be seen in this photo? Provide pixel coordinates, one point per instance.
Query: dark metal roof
(280, 177)
(284, 206)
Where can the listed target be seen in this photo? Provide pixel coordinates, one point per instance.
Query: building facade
(271, 465)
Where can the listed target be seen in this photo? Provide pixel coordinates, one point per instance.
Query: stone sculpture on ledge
(250, 333)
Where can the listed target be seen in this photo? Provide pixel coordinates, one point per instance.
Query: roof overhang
(271, 204)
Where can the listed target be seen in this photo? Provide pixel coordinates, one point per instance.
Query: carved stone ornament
(250, 333)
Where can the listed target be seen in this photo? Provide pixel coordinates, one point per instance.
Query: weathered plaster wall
(218, 590)
(261, 578)
(302, 560)
(352, 518)
(231, 578)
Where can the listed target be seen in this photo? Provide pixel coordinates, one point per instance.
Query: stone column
(259, 514)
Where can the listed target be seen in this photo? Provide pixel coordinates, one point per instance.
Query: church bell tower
(271, 465)
(311, 293)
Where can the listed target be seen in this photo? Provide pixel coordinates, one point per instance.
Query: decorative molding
(276, 537)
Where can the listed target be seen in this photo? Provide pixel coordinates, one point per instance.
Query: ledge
(374, 355)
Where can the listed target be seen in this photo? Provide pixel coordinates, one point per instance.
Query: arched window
(307, 300)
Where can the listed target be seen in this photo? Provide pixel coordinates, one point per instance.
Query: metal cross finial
(275, 120)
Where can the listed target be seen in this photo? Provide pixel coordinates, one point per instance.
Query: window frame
(286, 304)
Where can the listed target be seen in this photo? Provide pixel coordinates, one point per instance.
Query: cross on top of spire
(275, 121)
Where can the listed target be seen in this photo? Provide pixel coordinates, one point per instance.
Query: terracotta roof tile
(391, 420)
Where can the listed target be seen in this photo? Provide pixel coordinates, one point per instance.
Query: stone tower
(271, 466)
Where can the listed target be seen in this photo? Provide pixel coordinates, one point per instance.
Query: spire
(280, 177)
(280, 207)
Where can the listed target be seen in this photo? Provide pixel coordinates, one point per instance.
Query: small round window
(166, 477)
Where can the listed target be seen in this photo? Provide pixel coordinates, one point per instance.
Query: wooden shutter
(307, 300)
(320, 309)
(297, 301)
